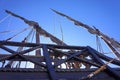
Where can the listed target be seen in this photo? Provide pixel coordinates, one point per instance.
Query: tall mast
(38, 52)
(37, 28)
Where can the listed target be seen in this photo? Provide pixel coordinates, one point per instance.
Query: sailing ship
(58, 61)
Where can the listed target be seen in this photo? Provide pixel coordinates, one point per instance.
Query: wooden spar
(36, 26)
(38, 42)
(91, 30)
(38, 52)
(113, 49)
(103, 67)
(98, 60)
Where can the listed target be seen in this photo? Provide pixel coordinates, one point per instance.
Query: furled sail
(38, 29)
(112, 42)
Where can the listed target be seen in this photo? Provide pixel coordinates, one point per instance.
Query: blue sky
(104, 14)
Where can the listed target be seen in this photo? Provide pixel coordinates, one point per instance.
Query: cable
(31, 33)
(12, 63)
(7, 31)
(61, 30)
(17, 34)
(4, 18)
(61, 33)
(4, 32)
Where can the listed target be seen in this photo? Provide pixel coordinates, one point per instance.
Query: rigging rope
(7, 31)
(61, 30)
(4, 18)
(31, 34)
(18, 33)
(99, 45)
(4, 32)
(26, 39)
(61, 33)
(18, 63)
(54, 25)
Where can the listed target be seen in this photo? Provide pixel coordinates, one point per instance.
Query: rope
(4, 18)
(58, 20)
(26, 40)
(3, 32)
(12, 63)
(9, 21)
(17, 34)
(54, 25)
(29, 35)
(32, 31)
(61, 33)
(32, 36)
(61, 30)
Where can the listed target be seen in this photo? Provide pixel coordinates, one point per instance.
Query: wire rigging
(26, 39)
(7, 31)
(18, 33)
(4, 18)
(61, 30)
(31, 34)
(61, 33)
(18, 63)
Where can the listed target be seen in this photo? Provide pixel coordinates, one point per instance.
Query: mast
(39, 31)
(37, 28)
(91, 30)
(38, 52)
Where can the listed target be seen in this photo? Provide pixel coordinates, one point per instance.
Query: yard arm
(112, 42)
(38, 29)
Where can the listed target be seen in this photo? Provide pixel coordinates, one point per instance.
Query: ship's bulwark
(45, 71)
(30, 74)
(80, 62)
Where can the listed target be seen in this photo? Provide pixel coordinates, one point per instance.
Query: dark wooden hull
(32, 74)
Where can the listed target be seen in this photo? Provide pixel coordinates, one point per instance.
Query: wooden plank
(7, 49)
(71, 56)
(12, 43)
(43, 75)
(49, 65)
(77, 58)
(106, 58)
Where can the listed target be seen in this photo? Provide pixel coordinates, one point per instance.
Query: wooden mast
(37, 52)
